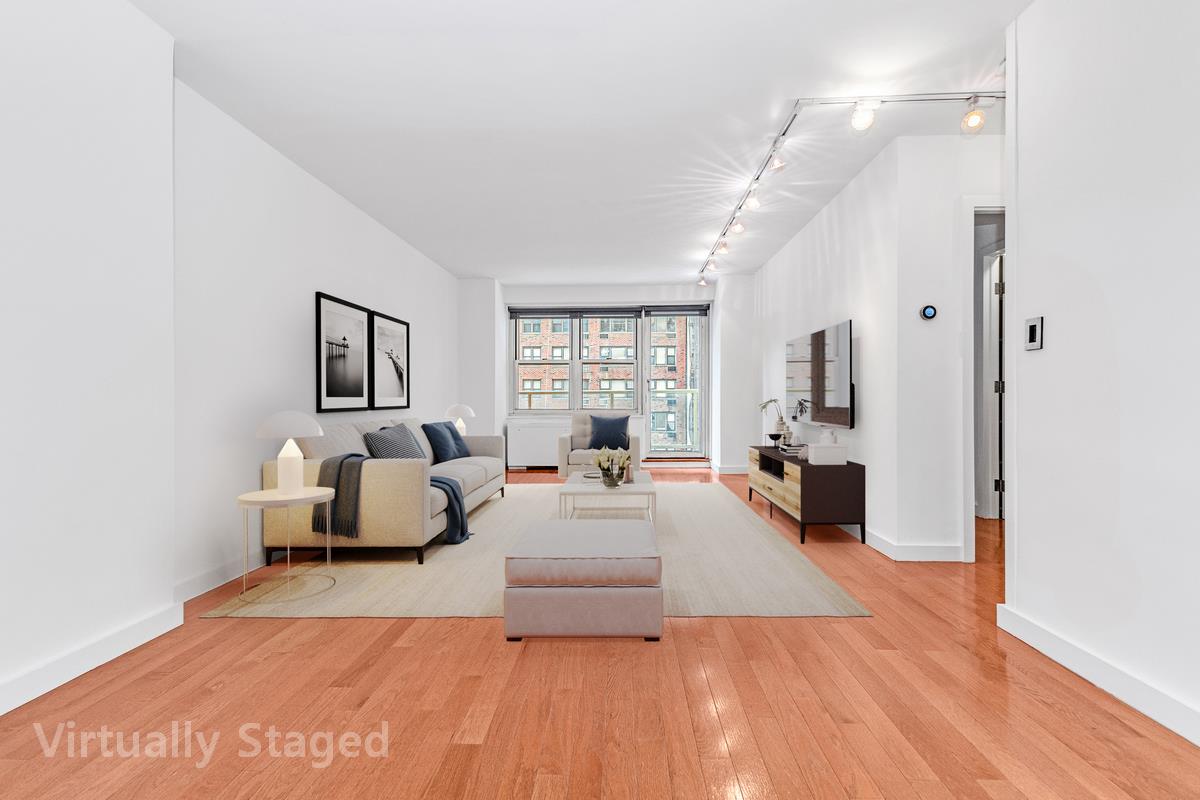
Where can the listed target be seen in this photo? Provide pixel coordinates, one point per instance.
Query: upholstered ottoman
(584, 577)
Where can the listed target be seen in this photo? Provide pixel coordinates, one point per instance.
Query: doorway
(989, 292)
(676, 378)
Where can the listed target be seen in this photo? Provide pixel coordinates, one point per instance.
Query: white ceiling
(548, 141)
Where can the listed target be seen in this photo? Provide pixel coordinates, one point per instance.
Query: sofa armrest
(564, 452)
(635, 453)
(393, 504)
(486, 445)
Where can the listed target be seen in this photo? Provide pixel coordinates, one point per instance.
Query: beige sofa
(573, 452)
(397, 506)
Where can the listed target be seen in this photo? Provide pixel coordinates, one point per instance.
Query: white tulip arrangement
(612, 464)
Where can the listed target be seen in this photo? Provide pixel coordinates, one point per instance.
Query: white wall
(736, 370)
(85, 233)
(1102, 535)
(482, 349)
(880, 250)
(256, 236)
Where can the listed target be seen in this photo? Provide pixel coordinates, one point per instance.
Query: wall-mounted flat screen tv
(819, 369)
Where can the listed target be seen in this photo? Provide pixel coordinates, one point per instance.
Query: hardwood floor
(925, 699)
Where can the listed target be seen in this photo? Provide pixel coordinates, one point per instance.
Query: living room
(462, 358)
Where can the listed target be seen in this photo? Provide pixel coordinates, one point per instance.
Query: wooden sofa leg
(268, 554)
(502, 491)
(512, 638)
(651, 638)
(421, 554)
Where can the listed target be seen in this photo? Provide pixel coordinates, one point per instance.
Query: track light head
(752, 202)
(973, 120)
(777, 163)
(710, 265)
(702, 282)
(863, 115)
(737, 226)
(722, 247)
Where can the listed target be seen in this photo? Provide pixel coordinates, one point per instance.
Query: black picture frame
(379, 360)
(342, 362)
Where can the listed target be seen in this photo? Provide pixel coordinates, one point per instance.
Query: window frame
(630, 357)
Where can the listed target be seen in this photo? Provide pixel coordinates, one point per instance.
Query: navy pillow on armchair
(446, 441)
(610, 432)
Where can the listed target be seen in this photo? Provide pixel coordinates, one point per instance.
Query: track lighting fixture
(863, 115)
(702, 282)
(972, 121)
(862, 119)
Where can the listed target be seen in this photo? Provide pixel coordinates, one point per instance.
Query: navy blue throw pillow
(446, 441)
(610, 432)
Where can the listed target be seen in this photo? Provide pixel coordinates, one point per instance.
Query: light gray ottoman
(584, 577)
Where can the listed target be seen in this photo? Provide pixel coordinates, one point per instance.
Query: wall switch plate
(1033, 333)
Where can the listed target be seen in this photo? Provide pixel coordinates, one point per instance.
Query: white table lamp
(289, 465)
(456, 412)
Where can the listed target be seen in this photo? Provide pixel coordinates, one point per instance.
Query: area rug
(719, 560)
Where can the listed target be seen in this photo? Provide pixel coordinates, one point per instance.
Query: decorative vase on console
(781, 426)
(612, 464)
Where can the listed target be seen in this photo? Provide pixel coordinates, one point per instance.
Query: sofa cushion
(469, 476)
(338, 439)
(492, 467)
(610, 432)
(585, 552)
(447, 442)
(585, 458)
(394, 442)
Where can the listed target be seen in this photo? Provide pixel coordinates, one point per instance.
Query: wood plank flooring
(925, 699)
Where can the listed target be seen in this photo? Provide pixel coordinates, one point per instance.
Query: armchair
(573, 453)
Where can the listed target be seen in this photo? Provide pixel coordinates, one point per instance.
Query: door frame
(965, 258)
(702, 391)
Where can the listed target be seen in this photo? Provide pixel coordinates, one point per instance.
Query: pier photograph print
(341, 355)
(389, 362)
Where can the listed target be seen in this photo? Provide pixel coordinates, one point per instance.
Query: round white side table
(273, 498)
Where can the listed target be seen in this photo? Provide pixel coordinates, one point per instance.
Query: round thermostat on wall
(928, 312)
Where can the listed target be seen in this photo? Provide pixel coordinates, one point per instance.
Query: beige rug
(719, 560)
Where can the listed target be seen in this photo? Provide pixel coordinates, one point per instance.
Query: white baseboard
(735, 469)
(16, 690)
(915, 551)
(211, 579)
(1121, 684)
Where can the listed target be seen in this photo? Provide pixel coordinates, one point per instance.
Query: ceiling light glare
(722, 248)
(752, 202)
(863, 115)
(737, 227)
(973, 120)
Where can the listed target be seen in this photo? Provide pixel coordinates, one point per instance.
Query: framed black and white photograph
(390, 377)
(342, 355)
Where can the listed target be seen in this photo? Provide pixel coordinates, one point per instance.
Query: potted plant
(781, 428)
(612, 464)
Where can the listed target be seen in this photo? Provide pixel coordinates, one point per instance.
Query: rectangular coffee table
(578, 486)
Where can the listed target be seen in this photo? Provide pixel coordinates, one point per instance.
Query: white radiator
(534, 442)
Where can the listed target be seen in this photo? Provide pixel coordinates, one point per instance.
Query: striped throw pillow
(396, 442)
